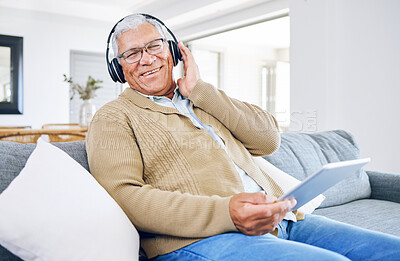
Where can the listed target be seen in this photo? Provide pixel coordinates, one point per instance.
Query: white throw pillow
(55, 210)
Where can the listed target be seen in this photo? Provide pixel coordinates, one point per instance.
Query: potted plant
(86, 93)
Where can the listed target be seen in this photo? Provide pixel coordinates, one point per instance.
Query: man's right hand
(256, 214)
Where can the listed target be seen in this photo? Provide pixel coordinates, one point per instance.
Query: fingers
(257, 213)
(259, 227)
(179, 81)
(270, 199)
(281, 206)
(190, 71)
(293, 203)
(184, 50)
(187, 56)
(255, 220)
(261, 211)
(256, 198)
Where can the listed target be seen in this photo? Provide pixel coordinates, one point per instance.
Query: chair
(31, 136)
(14, 127)
(60, 135)
(20, 135)
(71, 132)
(61, 126)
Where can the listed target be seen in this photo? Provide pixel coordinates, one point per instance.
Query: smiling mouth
(151, 72)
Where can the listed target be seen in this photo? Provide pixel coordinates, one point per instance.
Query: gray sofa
(368, 199)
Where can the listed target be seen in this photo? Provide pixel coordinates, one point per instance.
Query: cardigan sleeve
(115, 161)
(255, 128)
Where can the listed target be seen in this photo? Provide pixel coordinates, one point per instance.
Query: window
(251, 64)
(84, 64)
(210, 63)
(5, 75)
(10, 74)
(282, 95)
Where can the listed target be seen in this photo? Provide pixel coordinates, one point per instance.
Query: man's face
(160, 81)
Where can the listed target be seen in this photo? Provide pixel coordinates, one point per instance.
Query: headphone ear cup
(175, 52)
(115, 71)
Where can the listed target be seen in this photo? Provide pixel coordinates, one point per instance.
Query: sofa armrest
(385, 186)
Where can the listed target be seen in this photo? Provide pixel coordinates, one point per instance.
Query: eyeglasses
(135, 54)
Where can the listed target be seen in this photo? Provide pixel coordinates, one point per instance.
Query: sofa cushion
(13, 157)
(301, 154)
(55, 210)
(366, 213)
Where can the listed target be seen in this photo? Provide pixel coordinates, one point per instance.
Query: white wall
(48, 40)
(240, 67)
(345, 66)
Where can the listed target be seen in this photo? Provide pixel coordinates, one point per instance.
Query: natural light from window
(251, 64)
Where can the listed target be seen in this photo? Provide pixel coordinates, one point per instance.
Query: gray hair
(132, 22)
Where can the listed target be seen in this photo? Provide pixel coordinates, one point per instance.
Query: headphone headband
(114, 67)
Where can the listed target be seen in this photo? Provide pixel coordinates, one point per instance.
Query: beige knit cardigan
(173, 180)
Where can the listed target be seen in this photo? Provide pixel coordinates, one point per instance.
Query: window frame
(15, 105)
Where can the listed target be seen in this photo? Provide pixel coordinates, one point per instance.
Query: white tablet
(323, 179)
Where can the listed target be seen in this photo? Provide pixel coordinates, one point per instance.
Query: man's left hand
(190, 71)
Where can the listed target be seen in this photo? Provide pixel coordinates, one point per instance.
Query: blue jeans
(314, 238)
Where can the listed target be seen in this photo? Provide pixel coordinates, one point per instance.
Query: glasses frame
(122, 55)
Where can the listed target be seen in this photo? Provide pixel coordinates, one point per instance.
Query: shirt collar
(153, 98)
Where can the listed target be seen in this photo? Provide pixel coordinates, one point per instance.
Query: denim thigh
(314, 238)
(237, 246)
(351, 241)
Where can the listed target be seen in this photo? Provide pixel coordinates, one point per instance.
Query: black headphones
(114, 67)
